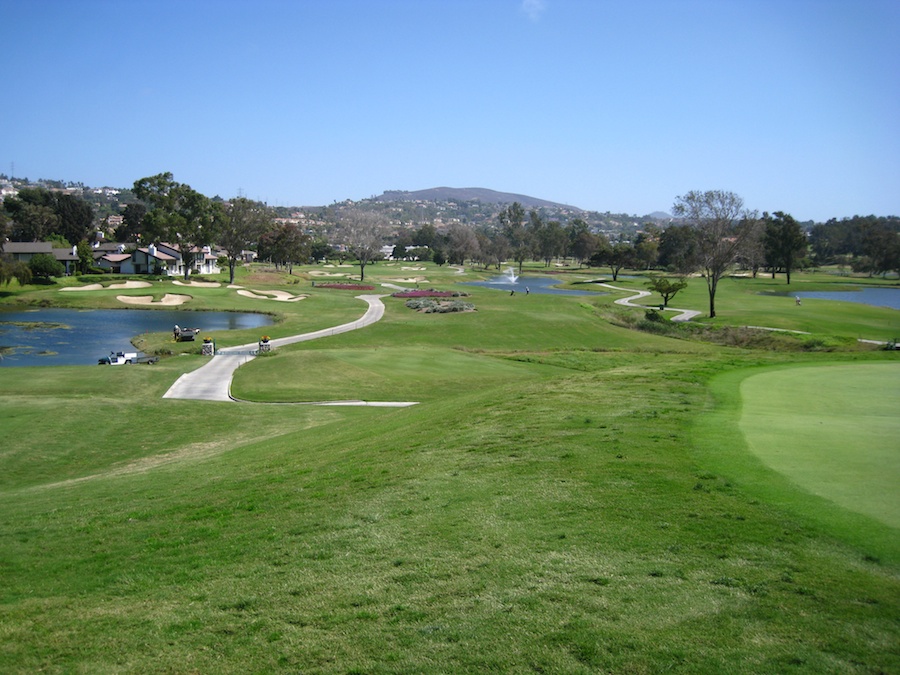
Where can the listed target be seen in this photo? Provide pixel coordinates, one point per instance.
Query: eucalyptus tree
(462, 243)
(548, 238)
(285, 244)
(512, 225)
(132, 222)
(241, 224)
(783, 241)
(177, 214)
(615, 256)
(716, 216)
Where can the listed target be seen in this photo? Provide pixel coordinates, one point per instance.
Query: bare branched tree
(363, 232)
(716, 215)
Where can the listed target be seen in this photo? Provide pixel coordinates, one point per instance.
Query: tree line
(712, 232)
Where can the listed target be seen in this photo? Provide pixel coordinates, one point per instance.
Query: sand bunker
(413, 269)
(200, 284)
(101, 287)
(316, 273)
(411, 280)
(168, 299)
(281, 296)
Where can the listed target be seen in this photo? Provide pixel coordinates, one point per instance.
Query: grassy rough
(570, 496)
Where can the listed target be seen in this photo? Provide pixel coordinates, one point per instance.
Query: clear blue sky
(609, 106)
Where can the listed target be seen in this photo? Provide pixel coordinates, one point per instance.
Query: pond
(69, 337)
(869, 295)
(527, 285)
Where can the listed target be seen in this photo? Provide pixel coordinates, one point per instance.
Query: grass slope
(568, 497)
(832, 429)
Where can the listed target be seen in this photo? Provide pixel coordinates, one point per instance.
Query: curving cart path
(212, 382)
(685, 314)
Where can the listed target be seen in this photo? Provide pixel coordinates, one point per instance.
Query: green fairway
(834, 430)
(569, 496)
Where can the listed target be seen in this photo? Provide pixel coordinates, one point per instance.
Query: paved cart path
(684, 314)
(212, 382)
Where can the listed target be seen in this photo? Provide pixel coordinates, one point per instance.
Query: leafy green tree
(285, 244)
(38, 213)
(881, 248)
(462, 244)
(85, 256)
(716, 216)
(616, 257)
(678, 250)
(321, 249)
(667, 288)
(241, 223)
(425, 236)
(783, 241)
(646, 250)
(178, 215)
(549, 238)
(11, 268)
(44, 266)
(32, 215)
(132, 222)
(512, 224)
(76, 217)
(752, 255)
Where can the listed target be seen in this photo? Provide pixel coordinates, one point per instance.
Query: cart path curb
(212, 381)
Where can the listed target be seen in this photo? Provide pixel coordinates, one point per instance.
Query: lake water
(870, 295)
(68, 337)
(533, 284)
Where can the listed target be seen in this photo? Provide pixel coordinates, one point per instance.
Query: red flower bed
(347, 287)
(423, 294)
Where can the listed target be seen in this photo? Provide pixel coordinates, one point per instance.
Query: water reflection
(66, 337)
(545, 285)
(869, 295)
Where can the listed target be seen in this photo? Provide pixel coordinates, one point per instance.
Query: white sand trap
(234, 286)
(168, 299)
(281, 296)
(316, 273)
(199, 284)
(410, 280)
(101, 287)
(413, 269)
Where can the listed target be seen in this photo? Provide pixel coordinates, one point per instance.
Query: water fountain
(510, 276)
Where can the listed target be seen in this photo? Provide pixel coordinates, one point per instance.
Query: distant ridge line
(439, 194)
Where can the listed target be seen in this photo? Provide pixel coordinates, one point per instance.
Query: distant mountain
(443, 194)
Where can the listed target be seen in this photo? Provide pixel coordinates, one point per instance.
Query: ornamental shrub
(429, 306)
(347, 287)
(430, 293)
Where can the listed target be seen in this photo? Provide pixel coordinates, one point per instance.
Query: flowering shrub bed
(430, 293)
(348, 287)
(429, 306)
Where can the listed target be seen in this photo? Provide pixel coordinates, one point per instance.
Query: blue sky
(609, 106)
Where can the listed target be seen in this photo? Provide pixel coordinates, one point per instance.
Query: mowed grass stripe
(831, 429)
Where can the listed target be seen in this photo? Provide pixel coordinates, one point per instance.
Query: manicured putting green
(833, 430)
